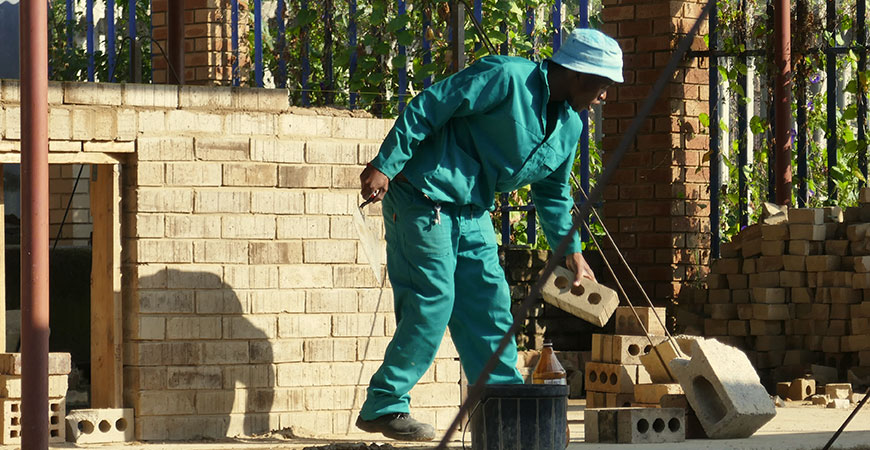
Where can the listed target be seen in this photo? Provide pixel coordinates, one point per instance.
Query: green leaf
(741, 68)
(405, 37)
(756, 124)
(704, 118)
(852, 111)
(398, 23)
(723, 72)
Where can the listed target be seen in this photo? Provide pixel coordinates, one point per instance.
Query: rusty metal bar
(175, 19)
(782, 31)
(34, 224)
(457, 36)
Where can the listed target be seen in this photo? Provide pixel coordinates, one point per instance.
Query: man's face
(586, 90)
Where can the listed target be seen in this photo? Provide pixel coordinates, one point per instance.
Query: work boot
(398, 426)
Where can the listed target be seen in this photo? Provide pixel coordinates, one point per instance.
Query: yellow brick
(224, 149)
(193, 327)
(304, 326)
(161, 96)
(306, 276)
(220, 251)
(192, 226)
(275, 252)
(243, 277)
(280, 351)
(146, 225)
(277, 202)
(347, 276)
(165, 149)
(152, 122)
(304, 227)
(193, 174)
(346, 325)
(251, 124)
(59, 124)
(304, 125)
(186, 121)
(200, 377)
(199, 276)
(12, 124)
(329, 203)
(222, 201)
(149, 173)
(331, 301)
(84, 124)
(436, 394)
(330, 152)
(105, 126)
(126, 126)
(278, 151)
(64, 146)
(148, 403)
(350, 128)
(265, 301)
(92, 94)
(329, 398)
(331, 251)
(226, 352)
(165, 301)
(250, 327)
(151, 251)
(305, 176)
(248, 227)
(250, 174)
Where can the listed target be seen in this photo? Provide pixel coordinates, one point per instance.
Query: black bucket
(521, 417)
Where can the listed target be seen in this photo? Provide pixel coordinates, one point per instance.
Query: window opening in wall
(70, 269)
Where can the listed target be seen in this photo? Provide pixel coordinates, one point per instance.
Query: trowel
(367, 238)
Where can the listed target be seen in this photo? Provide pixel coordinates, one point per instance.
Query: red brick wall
(208, 56)
(657, 204)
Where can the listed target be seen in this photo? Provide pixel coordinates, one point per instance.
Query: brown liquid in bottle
(549, 370)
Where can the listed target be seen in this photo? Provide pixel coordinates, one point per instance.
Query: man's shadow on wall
(215, 351)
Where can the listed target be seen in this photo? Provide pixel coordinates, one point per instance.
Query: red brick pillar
(208, 55)
(657, 204)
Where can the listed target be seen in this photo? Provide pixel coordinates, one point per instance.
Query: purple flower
(816, 79)
(811, 105)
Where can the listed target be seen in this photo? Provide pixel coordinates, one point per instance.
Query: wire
(474, 393)
(68, 205)
(625, 263)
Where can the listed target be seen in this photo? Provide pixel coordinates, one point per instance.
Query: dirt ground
(795, 427)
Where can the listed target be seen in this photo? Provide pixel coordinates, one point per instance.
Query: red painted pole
(782, 97)
(34, 224)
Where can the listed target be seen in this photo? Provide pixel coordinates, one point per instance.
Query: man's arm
(471, 91)
(553, 202)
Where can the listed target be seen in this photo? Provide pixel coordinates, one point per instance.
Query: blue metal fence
(285, 13)
(830, 52)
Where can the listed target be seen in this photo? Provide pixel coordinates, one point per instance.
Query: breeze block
(590, 301)
(724, 390)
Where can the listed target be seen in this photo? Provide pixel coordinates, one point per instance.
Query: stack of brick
(791, 291)
(10, 397)
(615, 368)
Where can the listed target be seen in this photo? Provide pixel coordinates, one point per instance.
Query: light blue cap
(591, 51)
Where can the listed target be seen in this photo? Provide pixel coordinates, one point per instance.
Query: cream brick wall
(248, 305)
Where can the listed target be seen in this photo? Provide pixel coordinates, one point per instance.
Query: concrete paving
(798, 426)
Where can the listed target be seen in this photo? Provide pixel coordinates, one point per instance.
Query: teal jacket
(482, 131)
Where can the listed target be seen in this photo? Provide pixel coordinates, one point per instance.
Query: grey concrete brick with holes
(590, 301)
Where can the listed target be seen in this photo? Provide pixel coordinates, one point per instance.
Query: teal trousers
(444, 269)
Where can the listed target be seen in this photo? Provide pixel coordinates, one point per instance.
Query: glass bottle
(549, 370)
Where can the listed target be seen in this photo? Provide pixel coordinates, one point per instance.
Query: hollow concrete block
(838, 390)
(590, 301)
(91, 426)
(617, 378)
(626, 322)
(599, 425)
(657, 359)
(652, 393)
(650, 425)
(628, 349)
(694, 430)
(801, 389)
(724, 390)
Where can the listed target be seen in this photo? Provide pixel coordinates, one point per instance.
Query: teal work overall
(475, 133)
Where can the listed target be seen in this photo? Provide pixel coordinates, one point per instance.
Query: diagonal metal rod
(627, 267)
(848, 419)
(474, 393)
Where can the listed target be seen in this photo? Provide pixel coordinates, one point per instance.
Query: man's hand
(577, 263)
(373, 181)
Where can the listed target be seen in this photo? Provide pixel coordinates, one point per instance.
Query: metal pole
(135, 63)
(403, 70)
(831, 110)
(861, 40)
(89, 19)
(34, 226)
(782, 26)
(175, 20)
(457, 38)
(110, 38)
(713, 105)
(258, 43)
(584, 136)
(234, 19)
